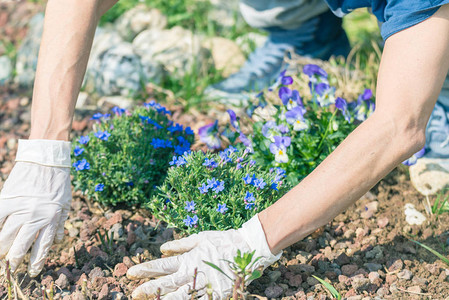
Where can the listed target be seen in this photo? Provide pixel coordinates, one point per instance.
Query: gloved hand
(211, 246)
(35, 202)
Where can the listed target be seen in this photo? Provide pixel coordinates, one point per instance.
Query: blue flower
(224, 156)
(269, 129)
(78, 151)
(239, 166)
(81, 165)
(324, 94)
(99, 187)
(247, 179)
(342, 105)
(190, 206)
(218, 187)
(249, 200)
(181, 161)
(274, 186)
(118, 111)
(222, 208)
(102, 135)
(252, 162)
(189, 131)
(204, 188)
(84, 140)
(412, 160)
(210, 163)
(174, 161)
(259, 183)
(209, 135)
(290, 98)
(233, 117)
(190, 221)
(160, 143)
(97, 116)
(212, 183)
(175, 128)
(366, 95)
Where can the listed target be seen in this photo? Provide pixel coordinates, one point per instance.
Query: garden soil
(367, 252)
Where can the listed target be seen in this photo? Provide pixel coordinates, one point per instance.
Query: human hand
(35, 202)
(191, 252)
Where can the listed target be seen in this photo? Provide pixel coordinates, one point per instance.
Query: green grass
(329, 287)
(441, 204)
(436, 253)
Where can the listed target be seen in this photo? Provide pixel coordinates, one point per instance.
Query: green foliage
(440, 205)
(126, 156)
(198, 183)
(434, 252)
(242, 270)
(329, 287)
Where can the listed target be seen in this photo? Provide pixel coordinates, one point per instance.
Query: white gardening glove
(35, 202)
(210, 246)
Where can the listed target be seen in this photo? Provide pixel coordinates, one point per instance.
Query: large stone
(116, 71)
(177, 49)
(412, 215)
(430, 175)
(26, 60)
(226, 55)
(5, 69)
(138, 19)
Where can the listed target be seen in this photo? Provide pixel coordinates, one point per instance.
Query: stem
(327, 130)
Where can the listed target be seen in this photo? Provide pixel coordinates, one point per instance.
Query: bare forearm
(366, 156)
(66, 42)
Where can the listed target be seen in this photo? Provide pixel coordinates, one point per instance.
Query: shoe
(319, 37)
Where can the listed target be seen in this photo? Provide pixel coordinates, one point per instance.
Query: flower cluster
(217, 191)
(128, 154)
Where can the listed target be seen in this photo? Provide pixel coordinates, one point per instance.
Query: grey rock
(178, 50)
(26, 59)
(375, 253)
(62, 281)
(373, 266)
(5, 69)
(274, 275)
(360, 283)
(274, 291)
(116, 231)
(138, 19)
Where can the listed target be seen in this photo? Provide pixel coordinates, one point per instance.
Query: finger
(180, 246)
(60, 230)
(182, 293)
(21, 245)
(155, 268)
(8, 234)
(40, 250)
(167, 284)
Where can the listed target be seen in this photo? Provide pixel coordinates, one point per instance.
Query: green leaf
(439, 255)
(329, 287)
(256, 274)
(217, 268)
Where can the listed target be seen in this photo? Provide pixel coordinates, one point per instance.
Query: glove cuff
(49, 153)
(254, 235)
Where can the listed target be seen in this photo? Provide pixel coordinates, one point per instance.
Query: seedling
(242, 269)
(106, 242)
(329, 287)
(440, 205)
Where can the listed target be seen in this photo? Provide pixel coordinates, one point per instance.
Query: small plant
(333, 291)
(106, 242)
(8, 280)
(126, 156)
(295, 133)
(206, 191)
(440, 205)
(436, 253)
(242, 270)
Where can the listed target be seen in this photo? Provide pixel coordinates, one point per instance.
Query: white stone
(413, 216)
(430, 175)
(138, 19)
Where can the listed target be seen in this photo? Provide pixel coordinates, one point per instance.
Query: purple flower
(413, 160)
(244, 139)
(295, 117)
(239, 166)
(209, 135)
(342, 105)
(283, 129)
(81, 165)
(190, 221)
(366, 95)
(102, 135)
(222, 208)
(84, 140)
(267, 129)
(290, 98)
(99, 187)
(78, 151)
(312, 70)
(279, 148)
(190, 206)
(324, 94)
(233, 117)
